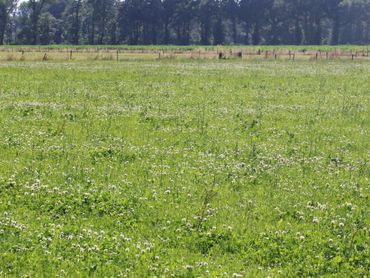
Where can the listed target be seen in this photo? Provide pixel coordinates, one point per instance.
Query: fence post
(117, 54)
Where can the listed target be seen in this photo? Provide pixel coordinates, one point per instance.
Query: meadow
(184, 168)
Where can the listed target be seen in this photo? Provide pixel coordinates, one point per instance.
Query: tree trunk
(3, 23)
(335, 30)
(205, 28)
(318, 33)
(298, 32)
(256, 36)
(235, 32)
(246, 38)
(154, 33)
(2, 32)
(101, 34)
(92, 34)
(77, 23)
(35, 16)
(274, 39)
(35, 31)
(166, 33)
(367, 33)
(101, 37)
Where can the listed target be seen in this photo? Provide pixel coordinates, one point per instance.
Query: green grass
(185, 168)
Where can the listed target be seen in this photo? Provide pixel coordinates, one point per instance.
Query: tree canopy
(185, 22)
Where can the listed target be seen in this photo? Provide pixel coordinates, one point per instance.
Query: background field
(191, 168)
(149, 52)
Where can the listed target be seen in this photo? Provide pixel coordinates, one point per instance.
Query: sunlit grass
(184, 168)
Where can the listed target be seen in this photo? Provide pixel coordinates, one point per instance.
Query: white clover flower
(189, 267)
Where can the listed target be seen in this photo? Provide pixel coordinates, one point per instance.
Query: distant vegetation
(344, 48)
(185, 22)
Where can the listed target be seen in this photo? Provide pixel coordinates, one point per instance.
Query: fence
(70, 54)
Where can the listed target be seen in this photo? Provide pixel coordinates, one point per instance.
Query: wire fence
(78, 54)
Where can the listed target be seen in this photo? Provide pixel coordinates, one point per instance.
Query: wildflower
(189, 267)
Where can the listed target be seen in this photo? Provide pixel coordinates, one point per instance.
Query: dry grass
(95, 54)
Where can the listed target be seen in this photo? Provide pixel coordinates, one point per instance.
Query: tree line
(184, 22)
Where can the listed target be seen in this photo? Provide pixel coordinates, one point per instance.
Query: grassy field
(59, 53)
(184, 169)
